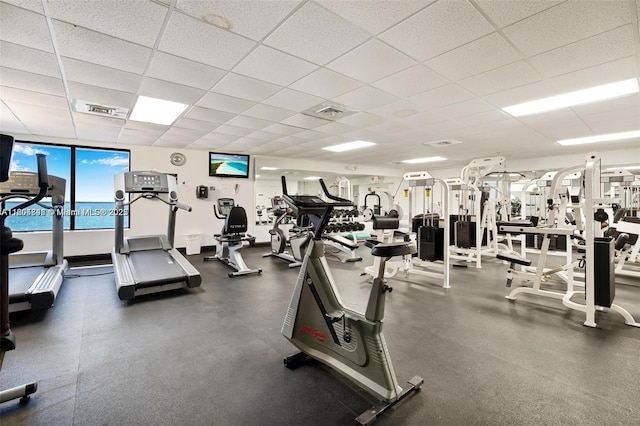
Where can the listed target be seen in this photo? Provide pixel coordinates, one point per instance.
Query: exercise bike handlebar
(182, 206)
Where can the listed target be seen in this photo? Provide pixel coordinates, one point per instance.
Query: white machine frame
(592, 202)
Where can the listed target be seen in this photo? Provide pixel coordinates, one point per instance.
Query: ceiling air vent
(329, 111)
(443, 142)
(94, 108)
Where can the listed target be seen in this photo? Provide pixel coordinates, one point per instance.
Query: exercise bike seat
(401, 248)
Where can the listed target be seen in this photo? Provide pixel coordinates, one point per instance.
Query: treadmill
(35, 277)
(149, 264)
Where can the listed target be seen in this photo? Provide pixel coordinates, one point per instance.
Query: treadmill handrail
(43, 183)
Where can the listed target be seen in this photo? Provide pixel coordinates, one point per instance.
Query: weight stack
(604, 271)
(430, 243)
(466, 234)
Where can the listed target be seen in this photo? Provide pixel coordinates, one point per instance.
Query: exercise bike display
(297, 240)
(323, 328)
(232, 238)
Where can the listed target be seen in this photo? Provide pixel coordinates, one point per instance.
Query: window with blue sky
(89, 184)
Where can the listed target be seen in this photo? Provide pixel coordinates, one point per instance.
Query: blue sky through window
(94, 173)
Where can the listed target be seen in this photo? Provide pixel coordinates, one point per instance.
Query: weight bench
(512, 261)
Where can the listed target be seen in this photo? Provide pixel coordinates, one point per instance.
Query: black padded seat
(385, 222)
(518, 260)
(393, 249)
(236, 221)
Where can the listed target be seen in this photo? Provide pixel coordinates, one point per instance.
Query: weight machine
(430, 238)
(599, 286)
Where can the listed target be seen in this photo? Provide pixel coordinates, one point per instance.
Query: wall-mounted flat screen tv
(228, 165)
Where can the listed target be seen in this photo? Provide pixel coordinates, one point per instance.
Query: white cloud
(28, 150)
(113, 161)
(84, 162)
(15, 166)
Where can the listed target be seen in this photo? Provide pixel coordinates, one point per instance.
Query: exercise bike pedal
(295, 360)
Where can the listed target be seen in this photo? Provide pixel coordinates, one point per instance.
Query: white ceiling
(415, 72)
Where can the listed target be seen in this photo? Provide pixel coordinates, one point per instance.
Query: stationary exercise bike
(297, 241)
(319, 324)
(232, 238)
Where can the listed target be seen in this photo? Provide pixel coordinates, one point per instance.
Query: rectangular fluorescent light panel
(423, 160)
(312, 178)
(580, 97)
(157, 111)
(349, 146)
(268, 168)
(601, 138)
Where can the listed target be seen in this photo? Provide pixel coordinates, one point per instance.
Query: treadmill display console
(20, 183)
(146, 182)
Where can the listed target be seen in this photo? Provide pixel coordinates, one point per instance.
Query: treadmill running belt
(155, 267)
(20, 280)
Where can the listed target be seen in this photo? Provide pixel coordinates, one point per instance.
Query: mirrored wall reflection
(355, 187)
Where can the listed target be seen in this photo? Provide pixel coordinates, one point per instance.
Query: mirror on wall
(352, 186)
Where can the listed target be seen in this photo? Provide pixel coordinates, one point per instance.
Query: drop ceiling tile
(365, 97)
(273, 66)
(483, 118)
(101, 95)
(602, 48)
(44, 121)
(249, 122)
(172, 141)
(253, 19)
(317, 35)
(334, 128)
(98, 75)
(219, 138)
(326, 84)
(411, 81)
(92, 132)
(567, 23)
(621, 69)
(89, 46)
(428, 33)
(205, 144)
(445, 95)
(283, 129)
(313, 135)
(304, 121)
(243, 145)
(9, 123)
(560, 124)
(188, 134)
(614, 121)
(397, 109)
(201, 42)
(371, 61)
(183, 71)
(611, 105)
(481, 55)
(207, 114)
(32, 82)
(225, 103)
(503, 14)
(264, 136)
(361, 119)
(375, 19)
(268, 112)
(291, 140)
(470, 107)
(520, 94)
(32, 5)
(293, 100)
(89, 120)
(245, 87)
(189, 123)
(136, 137)
(503, 78)
(151, 128)
(170, 91)
(226, 129)
(26, 59)
(25, 28)
(11, 94)
(136, 21)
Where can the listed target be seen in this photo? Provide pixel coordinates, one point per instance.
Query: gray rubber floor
(213, 355)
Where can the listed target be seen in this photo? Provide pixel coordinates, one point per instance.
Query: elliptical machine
(232, 238)
(323, 328)
(298, 241)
